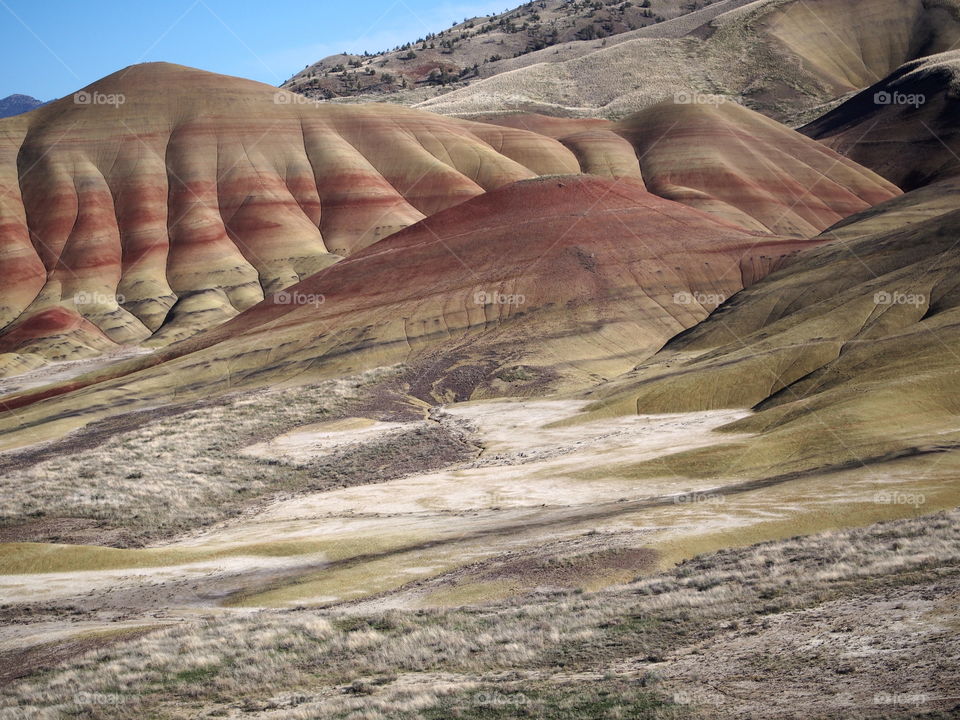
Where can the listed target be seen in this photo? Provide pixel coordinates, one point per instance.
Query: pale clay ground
(522, 492)
(60, 372)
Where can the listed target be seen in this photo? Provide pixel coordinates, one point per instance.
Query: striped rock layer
(571, 279)
(163, 201)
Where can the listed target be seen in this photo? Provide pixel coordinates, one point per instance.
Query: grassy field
(186, 471)
(721, 636)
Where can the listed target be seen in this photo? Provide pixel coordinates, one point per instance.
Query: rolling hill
(847, 355)
(570, 278)
(184, 198)
(789, 59)
(162, 200)
(483, 46)
(904, 127)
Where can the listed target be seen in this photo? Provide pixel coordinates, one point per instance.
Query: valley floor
(854, 624)
(476, 560)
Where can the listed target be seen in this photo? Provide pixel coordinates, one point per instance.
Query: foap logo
(98, 98)
(898, 98)
(97, 298)
(499, 699)
(287, 297)
(289, 98)
(291, 700)
(99, 699)
(888, 698)
(699, 499)
(695, 697)
(692, 97)
(497, 298)
(893, 497)
(899, 298)
(698, 298)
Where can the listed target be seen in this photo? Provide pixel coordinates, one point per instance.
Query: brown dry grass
(559, 654)
(186, 470)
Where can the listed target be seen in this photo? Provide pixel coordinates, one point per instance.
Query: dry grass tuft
(551, 654)
(183, 471)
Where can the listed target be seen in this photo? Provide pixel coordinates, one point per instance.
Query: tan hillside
(784, 58)
(746, 168)
(183, 197)
(849, 353)
(484, 46)
(199, 195)
(904, 126)
(570, 278)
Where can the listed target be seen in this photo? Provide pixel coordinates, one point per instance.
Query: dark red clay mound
(559, 240)
(905, 127)
(54, 323)
(576, 278)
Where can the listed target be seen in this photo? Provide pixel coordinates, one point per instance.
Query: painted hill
(746, 168)
(849, 354)
(570, 278)
(721, 158)
(184, 198)
(904, 126)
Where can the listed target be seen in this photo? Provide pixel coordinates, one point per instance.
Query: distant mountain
(17, 104)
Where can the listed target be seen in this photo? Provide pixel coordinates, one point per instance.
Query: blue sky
(50, 48)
